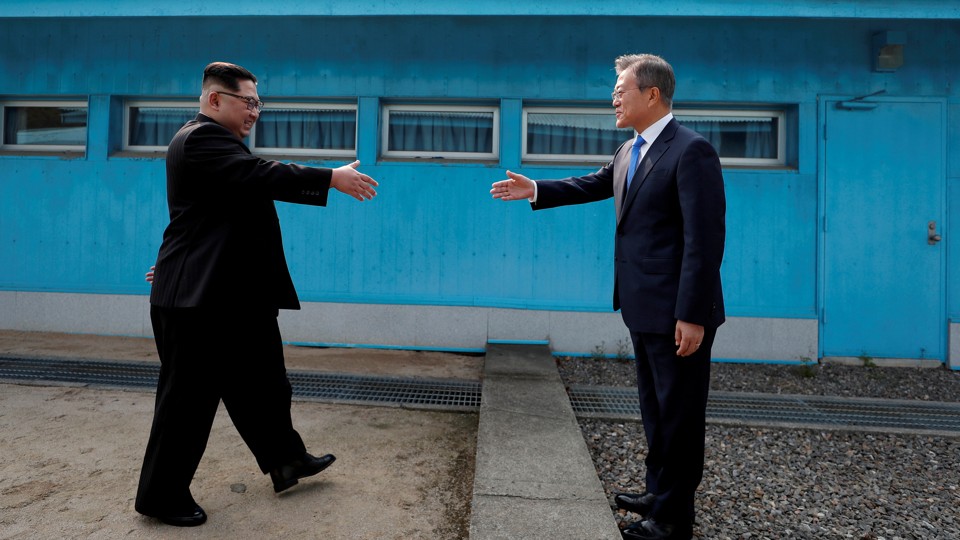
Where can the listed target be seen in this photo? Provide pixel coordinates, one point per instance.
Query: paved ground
(70, 456)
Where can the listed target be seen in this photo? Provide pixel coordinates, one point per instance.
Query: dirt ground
(70, 456)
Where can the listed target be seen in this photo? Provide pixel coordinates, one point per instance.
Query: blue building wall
(93, 224)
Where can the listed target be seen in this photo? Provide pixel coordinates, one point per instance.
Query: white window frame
(153, 105)
(30, 148)
(440, 108)
(563, 158)
(780, 115)
(318, 152)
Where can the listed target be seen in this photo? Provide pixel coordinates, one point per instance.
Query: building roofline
(826, 9)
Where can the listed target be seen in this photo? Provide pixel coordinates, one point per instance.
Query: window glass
(155, 126)
(740, 138)
(45, 126)
(458, 132)
(577, 134)
(320, 130)
(570, 134)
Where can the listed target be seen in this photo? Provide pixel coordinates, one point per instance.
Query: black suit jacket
(670, 229)
(222, 247)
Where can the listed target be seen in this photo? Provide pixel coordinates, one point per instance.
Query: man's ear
(211, 99)
(654, 95)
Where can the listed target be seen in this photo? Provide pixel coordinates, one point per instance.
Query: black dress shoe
(638, 503)
(189, 517)
(650, 529)
(287, 475)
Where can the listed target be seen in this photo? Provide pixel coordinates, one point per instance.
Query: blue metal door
(883, 179)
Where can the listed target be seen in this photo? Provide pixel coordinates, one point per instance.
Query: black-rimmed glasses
(252, 104)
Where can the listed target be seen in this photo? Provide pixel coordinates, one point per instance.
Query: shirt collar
(651, 133)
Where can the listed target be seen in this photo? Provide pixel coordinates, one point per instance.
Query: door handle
(932, 236)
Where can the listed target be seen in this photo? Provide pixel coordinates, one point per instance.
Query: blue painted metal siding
(433, 236)
(894, 9)
(951, 228)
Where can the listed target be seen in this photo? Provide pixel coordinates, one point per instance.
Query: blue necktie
(634, 157)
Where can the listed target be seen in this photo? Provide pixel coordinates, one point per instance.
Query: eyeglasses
(617, 95)
(252, 104)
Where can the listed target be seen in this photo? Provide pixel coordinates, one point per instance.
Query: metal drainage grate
(449, 395)
(623, 403)
(126, 374)
(418, 393)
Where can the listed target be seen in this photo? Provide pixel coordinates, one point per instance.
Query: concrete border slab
(534, 476)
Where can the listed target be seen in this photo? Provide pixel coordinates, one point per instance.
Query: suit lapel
(621, 162)
(654, 153)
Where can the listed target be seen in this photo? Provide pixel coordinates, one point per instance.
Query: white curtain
(574, 134)
(156, 126)
(737, 137)
(441, 131)
(319, 129)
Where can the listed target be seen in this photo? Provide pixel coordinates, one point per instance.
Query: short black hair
(227, 74)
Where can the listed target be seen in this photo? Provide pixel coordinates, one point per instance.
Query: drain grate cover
(771, 409)
(418, 393)
(450, 395)
(615, 403)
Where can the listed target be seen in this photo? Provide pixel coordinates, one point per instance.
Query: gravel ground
(771, 483)
(928, 384)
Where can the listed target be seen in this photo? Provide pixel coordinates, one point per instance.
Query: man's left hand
(688, 337)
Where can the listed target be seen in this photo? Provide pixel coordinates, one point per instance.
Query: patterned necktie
(634, 157)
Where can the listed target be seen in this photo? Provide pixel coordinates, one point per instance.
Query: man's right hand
(514, 188)
(349, 180)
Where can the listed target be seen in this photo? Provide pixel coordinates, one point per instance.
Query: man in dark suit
(220, 279)
(670, 207)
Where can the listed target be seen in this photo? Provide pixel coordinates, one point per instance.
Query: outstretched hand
(347, 179)
(514, 188)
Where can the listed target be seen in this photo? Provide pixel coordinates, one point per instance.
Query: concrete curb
(534, 475)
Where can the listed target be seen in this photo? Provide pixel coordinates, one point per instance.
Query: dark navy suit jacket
(223, 247)
(670, 229)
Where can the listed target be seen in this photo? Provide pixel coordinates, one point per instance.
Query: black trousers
(673, 404)
(208, 355)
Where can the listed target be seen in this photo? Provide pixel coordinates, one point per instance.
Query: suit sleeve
(230, 167)
(575, 189)
(703, 208)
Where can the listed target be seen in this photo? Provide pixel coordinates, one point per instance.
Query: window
(578, 134)
(741, 137)
(437, 131)
(306, 129)
(44, 126)
(571, 134)
(150, 125)
(283, 128)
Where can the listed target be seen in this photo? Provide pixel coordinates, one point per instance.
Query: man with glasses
(669, 201)
(220, 279)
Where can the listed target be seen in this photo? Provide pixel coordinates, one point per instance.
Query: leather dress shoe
(638, 503)
(188, 517)
(286, 476)
(650, 529)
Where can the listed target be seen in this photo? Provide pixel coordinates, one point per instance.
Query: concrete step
(534, 475)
